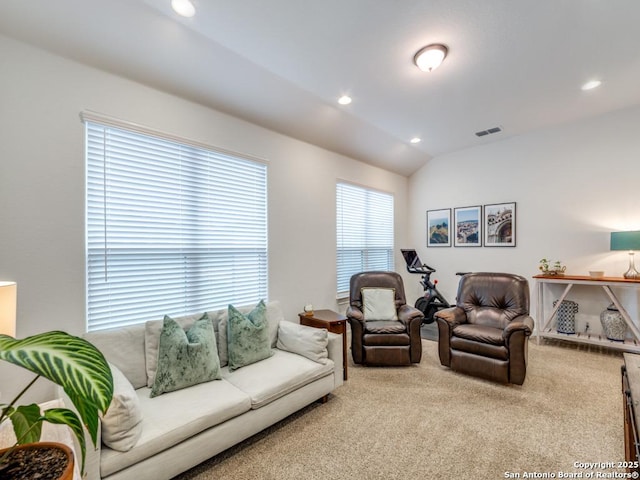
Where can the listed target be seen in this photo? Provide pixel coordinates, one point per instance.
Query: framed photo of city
(467, 223)
(438, 228)
(500, 225)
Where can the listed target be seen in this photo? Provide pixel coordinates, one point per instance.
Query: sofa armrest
(334, 348)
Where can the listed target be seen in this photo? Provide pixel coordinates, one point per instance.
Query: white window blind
(364, 232)
(172, 228)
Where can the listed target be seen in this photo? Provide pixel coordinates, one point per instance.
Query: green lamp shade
(625, 240)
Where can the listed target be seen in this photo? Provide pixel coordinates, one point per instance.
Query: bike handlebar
(422, 270)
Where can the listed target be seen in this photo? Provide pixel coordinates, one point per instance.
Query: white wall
(42, 185)
(573, 185)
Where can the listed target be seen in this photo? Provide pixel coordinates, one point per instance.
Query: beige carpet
(427, 422)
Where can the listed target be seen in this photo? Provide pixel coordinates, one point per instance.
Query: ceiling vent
(488, 131)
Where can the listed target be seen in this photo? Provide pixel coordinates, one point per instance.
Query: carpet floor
(427, 422)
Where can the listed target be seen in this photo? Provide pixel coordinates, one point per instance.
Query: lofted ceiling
(282, 64)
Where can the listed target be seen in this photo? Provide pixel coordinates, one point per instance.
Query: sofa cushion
(124, 348)
(121, 425)
(276, 376)
(306, 341)
(379, 303)
(248, 336)
(186, 358)
(173, 417)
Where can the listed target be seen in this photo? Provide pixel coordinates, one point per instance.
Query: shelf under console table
(545, 323)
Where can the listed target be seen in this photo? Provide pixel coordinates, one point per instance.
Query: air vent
(488, 131)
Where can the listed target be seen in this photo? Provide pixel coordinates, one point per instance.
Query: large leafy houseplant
(70, 362)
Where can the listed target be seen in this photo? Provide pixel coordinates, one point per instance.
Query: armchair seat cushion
(479, 333)
(380, 326)
(382, 339)
(499, 352)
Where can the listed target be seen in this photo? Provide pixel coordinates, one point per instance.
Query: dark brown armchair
(486, 333)
(383, 336)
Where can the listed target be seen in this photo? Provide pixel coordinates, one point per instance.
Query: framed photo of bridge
(500, 225)
(438, 228)
(467, 222)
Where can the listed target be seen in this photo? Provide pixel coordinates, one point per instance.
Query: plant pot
(26, 461)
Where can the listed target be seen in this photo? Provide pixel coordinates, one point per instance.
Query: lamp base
(632, 273)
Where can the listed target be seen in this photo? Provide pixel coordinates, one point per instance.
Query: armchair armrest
(354, 313)
(452, 315)
(522, 323)
(406, 313)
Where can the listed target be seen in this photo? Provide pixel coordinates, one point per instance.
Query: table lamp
(627, 241)
(8, 296)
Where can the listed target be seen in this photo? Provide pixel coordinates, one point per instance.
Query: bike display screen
(412, 259)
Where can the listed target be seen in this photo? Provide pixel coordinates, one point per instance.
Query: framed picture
(500, 225)
(438, 223)
(467, 223)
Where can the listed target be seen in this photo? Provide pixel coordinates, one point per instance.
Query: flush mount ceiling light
(344, 100)
(415, 140)
(591, 85)
(430, 57)
(183, 7)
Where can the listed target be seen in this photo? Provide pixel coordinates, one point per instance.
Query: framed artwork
(467, 223)
(500, 225)
(438, 228)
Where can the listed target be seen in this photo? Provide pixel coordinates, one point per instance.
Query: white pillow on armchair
(379, 303)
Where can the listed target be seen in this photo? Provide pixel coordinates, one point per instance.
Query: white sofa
(183, 428)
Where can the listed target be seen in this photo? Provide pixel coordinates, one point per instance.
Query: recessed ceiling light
(344, 100)
(430, 57)
(591, 85)
(183, 7)
(415, 140)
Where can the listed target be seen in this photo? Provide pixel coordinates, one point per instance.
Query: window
(173, 228)
(364, 232)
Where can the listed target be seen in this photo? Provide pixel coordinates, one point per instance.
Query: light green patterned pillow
(248, 337)
(185, 358)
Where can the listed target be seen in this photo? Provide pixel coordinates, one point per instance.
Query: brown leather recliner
(486, 333)
(383, 342)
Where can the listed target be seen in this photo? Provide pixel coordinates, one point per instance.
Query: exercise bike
(432, 301)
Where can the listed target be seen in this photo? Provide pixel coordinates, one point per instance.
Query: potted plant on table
(70, 362)
(555, 269)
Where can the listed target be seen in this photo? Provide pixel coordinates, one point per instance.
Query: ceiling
(282, 64)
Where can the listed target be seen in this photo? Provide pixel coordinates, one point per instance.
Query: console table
(605, 283)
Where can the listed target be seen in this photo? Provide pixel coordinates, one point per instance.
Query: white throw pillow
(379, 303)
(122, 424)
(309, 342)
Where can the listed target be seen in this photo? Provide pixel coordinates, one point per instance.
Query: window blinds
(172, 228)
(364, 232)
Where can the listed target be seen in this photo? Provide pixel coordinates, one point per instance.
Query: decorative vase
(566, 316)
(613, 324)
(33, 456)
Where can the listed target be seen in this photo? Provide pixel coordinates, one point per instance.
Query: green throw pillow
(186, 358)
(248, 336)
